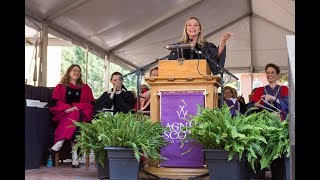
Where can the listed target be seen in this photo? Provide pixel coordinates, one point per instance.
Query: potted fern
(277, 151)
(234, 144)
(129, 134)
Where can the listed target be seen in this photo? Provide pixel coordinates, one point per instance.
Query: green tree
(77, 55)
(130, 81)
(95, 74)
(283, 77)
(68, 57)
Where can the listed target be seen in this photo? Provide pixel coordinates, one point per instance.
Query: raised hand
(226, 36)
(224, 39)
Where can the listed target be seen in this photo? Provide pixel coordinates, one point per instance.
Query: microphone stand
(139, 72)
(221, 74)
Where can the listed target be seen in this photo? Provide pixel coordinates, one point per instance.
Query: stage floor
(65, 172)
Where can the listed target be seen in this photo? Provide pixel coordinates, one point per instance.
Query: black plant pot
(222, 169)
(122, 163)
(103, 172)
(287, 164)
(280, 168)
(249, 173)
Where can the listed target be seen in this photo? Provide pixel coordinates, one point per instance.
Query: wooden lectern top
(183, 68)
(182, 76)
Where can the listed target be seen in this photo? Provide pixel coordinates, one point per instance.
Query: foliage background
(77, 55)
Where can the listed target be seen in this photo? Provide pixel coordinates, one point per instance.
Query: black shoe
(75, 166)
(51, 151)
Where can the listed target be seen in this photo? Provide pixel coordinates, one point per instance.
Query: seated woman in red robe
(73, 100)
(272, 97)
(118, 99)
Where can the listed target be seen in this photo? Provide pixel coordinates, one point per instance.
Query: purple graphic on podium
(175, 108)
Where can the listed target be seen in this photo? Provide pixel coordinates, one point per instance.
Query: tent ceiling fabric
(134, 33)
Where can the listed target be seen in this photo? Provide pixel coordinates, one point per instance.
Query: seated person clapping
(272, 97)
(118, 99)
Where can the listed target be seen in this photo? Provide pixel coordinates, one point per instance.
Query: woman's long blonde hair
(185, 36)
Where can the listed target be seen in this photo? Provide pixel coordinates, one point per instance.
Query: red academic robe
(282, 95)
(63, 119)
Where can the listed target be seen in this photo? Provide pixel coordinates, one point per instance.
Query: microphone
(192, 49)
(190, 41)
(178, 45)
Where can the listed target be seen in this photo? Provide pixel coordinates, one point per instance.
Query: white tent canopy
(134, 33)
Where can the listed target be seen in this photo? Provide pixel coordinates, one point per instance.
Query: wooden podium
(182, 75)
(188, 76)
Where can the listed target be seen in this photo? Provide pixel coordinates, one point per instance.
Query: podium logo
(176, 133)
(182, 113)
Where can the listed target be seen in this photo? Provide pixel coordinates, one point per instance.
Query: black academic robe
(122, 102)
(209, 52)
